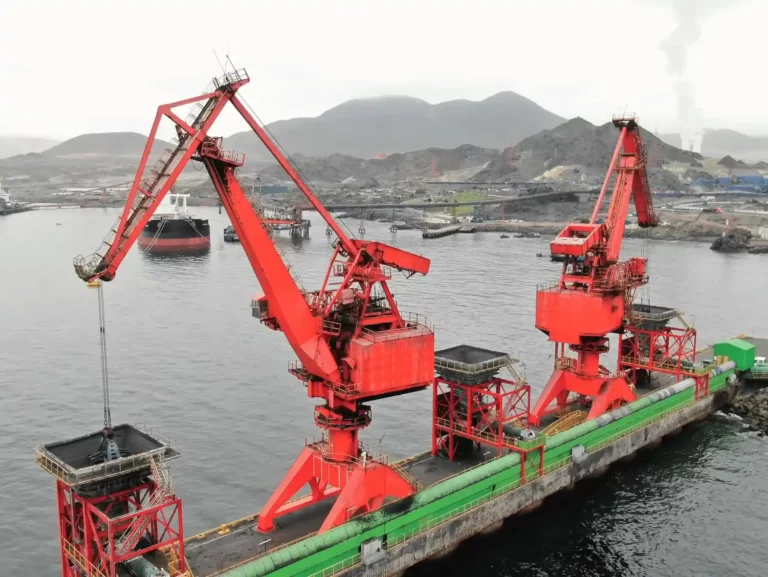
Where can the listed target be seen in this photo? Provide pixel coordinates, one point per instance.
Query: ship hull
(175, 235)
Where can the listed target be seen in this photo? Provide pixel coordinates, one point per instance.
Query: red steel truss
(488, 413)
(664, 350)
(670, 350)
(98, 533)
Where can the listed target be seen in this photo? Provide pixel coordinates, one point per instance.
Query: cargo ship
(173, 229)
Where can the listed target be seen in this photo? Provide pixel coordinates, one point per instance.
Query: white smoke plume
(689, 15)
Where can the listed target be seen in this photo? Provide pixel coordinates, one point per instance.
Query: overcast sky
(77, 66)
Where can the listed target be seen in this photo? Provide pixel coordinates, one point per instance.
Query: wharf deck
(238, 542)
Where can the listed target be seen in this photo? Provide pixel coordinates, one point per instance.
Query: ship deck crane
(594, 295)
(352, 342)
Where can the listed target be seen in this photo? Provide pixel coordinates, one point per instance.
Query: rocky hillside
(460, 163)
(577, 148)
(89, 159)
(574, 152)
(365, 128)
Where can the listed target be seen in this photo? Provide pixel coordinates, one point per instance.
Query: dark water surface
(187, 359)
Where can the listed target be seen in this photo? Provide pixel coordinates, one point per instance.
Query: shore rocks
(735, 240)
(753, 409)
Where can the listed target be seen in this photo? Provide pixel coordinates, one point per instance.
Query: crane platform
(469, 365)
(69, 460)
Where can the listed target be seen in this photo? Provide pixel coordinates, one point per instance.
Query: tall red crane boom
(596, 290)
(352, 342)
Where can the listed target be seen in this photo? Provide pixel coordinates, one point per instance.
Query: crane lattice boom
(353, 343)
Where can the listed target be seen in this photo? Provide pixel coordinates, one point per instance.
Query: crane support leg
(606, 392)
(554, 390)
(365, 491)
(301, 473)
(614, 392)
(361, 485)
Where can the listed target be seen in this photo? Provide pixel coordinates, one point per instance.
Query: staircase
(565, 422)
(511, 367)
(163, 488)
(151, 183)
(642, 163)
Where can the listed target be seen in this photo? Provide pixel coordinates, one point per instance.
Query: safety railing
(415, 319)
(565, 363)
(264, 552)
(548, 285)
(109, 469)
(410, 479)
(473, 368)
(637, 311)
(500, 490)
(346, 389)
(565, 421)
(664, 364)
(491, 439)
(79, 559)
(759, 371)
(338, 567)
(332, 328)
(139, 524)
(321, 446)
(174, 562)
(230, 78)
(641, 425)
(413, 322)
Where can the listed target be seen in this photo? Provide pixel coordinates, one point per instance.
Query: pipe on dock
(519, 433)
(355, 527)
(140, 567)
(628, 409)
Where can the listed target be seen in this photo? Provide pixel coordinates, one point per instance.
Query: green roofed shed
(737, 350)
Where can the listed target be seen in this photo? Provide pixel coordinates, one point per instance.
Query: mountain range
(368, 127)
(371, 127)
(501, 138)
(575, 151)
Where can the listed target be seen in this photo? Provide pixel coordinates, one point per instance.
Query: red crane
(595, 292)
(353, 343)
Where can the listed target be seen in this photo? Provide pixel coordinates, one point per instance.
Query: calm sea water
(187, 359)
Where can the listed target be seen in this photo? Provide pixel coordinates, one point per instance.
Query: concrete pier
(445, 537)
(448, 230)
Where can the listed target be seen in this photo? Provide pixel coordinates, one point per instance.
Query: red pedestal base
(360, 487)
(606, 392)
